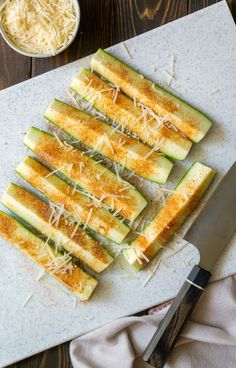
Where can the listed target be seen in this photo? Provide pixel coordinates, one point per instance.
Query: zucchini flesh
(79, 205)
(106, 140)
(72, 238)
(75, 279)
(187, 119)
(82, 170)
(179, 205)
(125, 113)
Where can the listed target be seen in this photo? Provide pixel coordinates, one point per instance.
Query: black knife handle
(165, 337)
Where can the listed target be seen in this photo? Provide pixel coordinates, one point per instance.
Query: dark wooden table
(103, 23)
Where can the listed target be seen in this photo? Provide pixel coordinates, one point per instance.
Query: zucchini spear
(56, 264)
(170, 217)
(79, 205)
(51, 222)
(107, 141)
(139, 120)
(193, 123)
(96, 179)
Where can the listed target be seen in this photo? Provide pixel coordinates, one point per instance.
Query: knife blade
(210, 233)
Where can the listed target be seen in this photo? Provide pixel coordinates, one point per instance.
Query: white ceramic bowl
(48, 54)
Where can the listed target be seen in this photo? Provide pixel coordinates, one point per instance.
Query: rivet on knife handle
(164, 339)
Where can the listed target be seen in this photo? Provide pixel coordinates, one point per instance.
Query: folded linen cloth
(208, 339)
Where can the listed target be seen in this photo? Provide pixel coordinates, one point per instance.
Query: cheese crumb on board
(27, 300)
(39, 26)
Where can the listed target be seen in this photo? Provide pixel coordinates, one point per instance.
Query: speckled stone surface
(204, 45)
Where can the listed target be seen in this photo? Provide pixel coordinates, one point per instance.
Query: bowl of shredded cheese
(39, 28)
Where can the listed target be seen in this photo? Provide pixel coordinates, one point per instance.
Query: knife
(210, 233)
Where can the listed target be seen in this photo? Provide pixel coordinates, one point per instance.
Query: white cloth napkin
(207, 341)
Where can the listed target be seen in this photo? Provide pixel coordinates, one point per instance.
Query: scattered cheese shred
(117, 211)
(89, 318)
(27, 300)
(154, 149)
(171, 74)
(54, 171)
(117, 171)
(75, 302)
(57, 212)
(58, 139)
(41, 275)
(88, 218)
(214, 92)
(152, 272)
(39, 26)
(60, 264)
(75, 230)
(126, 50)
(165, 190)
(109, 143)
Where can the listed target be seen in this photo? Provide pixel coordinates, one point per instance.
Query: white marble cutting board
(204, 45)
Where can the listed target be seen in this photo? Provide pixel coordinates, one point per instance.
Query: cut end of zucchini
(134, 258)
(32, 137)
(164, 167)
(176, 146)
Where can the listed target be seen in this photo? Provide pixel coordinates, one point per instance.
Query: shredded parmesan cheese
(165, 190)
(60, 264)
(27, 300)
(156, 148)
(126, 50)
(39, 26)
(171, 74)
(152, 272)
(75, 230)
(54, 171)
(214, 92)
(40, 276)
(75, 302)
(57, 212)
(117, 171)
(88, 218)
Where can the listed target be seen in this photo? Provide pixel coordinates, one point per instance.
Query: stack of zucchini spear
(148, 127)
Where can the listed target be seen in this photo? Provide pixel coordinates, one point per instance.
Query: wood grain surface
(103, 23)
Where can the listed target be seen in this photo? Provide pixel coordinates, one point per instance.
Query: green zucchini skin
(179, 205)
(95, 179)
(73, 239)
(192, 122)
(129, 116)
(77, 281)
(90, 131)
(58, 191)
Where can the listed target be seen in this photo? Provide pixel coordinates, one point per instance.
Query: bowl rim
(48, 54)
